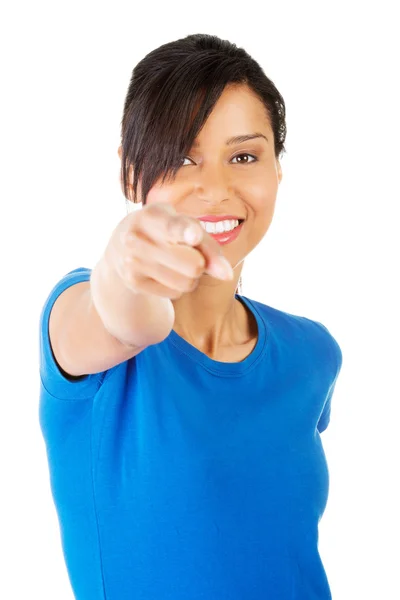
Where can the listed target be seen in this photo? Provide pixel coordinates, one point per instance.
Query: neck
(211, 317)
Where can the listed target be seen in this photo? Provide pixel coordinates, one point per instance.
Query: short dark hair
(172, 91)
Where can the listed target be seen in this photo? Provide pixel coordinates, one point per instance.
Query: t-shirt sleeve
(52, 378)
(326, 413)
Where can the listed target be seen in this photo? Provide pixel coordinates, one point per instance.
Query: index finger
(197, 237)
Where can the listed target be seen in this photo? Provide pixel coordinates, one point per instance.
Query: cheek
(160, 194)
(263, 196)
(262, 182)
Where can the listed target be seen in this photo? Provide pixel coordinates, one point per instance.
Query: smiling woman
(188, 465)
(191, 73)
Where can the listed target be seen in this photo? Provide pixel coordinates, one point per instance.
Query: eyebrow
(238, 139)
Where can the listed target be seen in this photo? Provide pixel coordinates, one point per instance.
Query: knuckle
(184, 221)
(181, 220)
(152, 208)
(130, 275)
(128, 260)
(162, 209)
(128, 238)
(148, 214)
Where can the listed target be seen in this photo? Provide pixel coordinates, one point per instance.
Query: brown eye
(245, 162)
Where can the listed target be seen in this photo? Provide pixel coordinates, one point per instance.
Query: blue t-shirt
(178, 477)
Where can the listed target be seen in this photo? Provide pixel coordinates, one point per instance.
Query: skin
(213, 180)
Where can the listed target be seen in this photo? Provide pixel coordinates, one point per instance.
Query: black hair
(172, 91)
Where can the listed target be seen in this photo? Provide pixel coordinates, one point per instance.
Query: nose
(212, 184)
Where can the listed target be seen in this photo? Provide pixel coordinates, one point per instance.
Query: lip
(227, 237)
(216, 218)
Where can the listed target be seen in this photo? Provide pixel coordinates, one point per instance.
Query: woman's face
(218, 177)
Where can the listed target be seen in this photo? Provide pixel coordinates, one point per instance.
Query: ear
(279, 170)
(120, 152)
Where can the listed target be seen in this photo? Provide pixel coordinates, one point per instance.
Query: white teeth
(220, 226)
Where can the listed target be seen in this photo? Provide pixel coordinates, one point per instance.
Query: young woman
(182, 420)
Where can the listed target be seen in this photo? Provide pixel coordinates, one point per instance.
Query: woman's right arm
(126, 306)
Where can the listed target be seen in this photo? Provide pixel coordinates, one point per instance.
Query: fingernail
(191, 236)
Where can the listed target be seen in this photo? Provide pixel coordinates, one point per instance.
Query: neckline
(226, 368)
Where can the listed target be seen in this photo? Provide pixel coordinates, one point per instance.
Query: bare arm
(127, 304)
(97, 324)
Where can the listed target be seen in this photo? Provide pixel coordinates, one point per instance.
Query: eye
(183, 159)
(246, 162)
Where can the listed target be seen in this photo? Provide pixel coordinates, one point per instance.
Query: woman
(182, 420)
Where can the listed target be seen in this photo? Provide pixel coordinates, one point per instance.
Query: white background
(331, 254)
